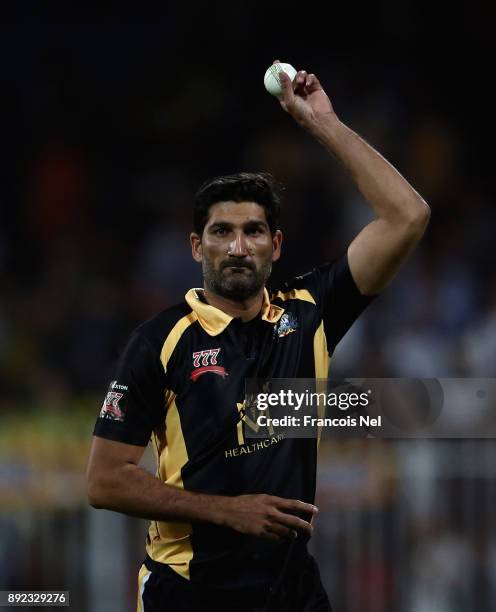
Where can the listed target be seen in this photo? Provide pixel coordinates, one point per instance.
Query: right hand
(267, 516)
(304, 98)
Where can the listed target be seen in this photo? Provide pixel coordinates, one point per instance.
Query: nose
(238, 246)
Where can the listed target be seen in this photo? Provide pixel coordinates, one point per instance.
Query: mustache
(238, 264)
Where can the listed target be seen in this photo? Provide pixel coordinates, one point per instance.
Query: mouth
(237, 269)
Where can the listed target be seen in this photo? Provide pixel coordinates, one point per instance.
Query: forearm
(134, 491)
(388, 193)
(131, 490)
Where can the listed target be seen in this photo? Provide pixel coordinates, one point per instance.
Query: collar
(214, 321)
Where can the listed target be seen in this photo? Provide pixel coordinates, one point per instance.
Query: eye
(220, 231)
(254, 230)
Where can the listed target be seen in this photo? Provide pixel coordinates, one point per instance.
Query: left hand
(304, 98)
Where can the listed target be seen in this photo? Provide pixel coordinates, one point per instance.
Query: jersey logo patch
(287, 324)
(206, 361)
(110, 409)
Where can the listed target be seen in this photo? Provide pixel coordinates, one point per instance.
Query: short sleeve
(136, 398)
(337, 297)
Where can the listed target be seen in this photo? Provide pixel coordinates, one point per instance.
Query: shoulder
(308, 287)
(156, 330)
(295, 290)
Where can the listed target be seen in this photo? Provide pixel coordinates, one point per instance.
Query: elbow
(418, 220)
(94, 498)
(95, 492)
(424, 215)
(95, 503)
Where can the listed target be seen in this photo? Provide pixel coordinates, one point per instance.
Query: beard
(234, 279)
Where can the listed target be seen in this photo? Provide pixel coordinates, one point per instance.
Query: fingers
(312, 83)
(303, 79)
(269, 516)
(284, 514)
(295, 504)
(299, 82)
(294, 522)
(288, 95)
(282, 532)
(291, 89)
(304, 83)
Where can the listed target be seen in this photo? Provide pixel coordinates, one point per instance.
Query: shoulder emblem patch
(287, 323)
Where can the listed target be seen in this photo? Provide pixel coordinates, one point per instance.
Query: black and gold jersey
(181, 381)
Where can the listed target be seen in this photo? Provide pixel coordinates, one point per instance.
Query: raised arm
(378, 251)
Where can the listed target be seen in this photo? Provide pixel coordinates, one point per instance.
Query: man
(230, 518)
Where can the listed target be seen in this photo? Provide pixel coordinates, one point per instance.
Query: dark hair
(259, 187)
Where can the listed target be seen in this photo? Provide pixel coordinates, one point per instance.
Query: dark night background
(113, 117)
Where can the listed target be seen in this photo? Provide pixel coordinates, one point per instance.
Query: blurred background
(111, 121)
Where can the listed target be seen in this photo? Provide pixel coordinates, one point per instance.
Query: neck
(245, 310)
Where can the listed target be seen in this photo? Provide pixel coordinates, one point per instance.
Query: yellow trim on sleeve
(174, 336)
(294, 294)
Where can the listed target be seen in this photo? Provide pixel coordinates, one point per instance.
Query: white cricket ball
(271, 78)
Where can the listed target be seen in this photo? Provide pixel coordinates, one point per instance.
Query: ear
(276, 245)
(196, 247)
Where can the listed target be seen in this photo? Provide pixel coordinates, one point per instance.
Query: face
(236, 249)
